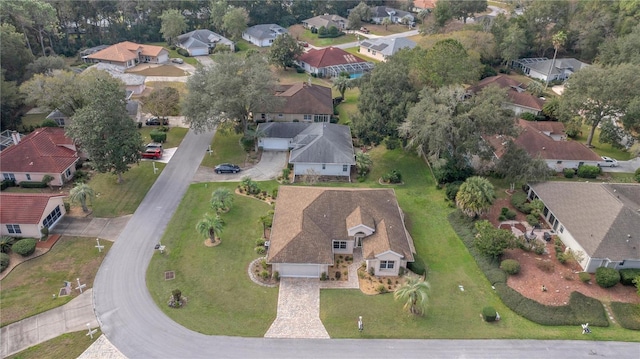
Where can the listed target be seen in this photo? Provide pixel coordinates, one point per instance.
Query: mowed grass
(174, 135)
(313, 39)
(175, 54)
(34, 119)
(349, 106)
(603, 149)
(222, 299)
(118, 199)
(227, 149)
(66, 346)
(28, 289)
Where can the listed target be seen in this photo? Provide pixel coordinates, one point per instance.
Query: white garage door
(300, 270)
(275, 144)
(199, 51)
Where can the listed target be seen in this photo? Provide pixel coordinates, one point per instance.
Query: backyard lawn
(303, 34)
(349, 106)
(66, 346)
(603, 149)
(28, 289)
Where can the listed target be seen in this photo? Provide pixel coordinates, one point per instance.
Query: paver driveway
(298, 310)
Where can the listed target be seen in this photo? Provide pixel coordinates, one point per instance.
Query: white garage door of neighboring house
(275, 144)
(300, 270)
(199, 51)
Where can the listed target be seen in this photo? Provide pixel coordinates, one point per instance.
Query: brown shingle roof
(599, 216)
(328, 56)
(125, 51)
(515, 91)
(23, 208)
(308, 219)
(46, 149)
(304, 98)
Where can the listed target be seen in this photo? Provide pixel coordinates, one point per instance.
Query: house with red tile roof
(332, 61)
(25, 214)
(128, 54)
(557, 154)
(520, 101)
(301, 102)
(45, 151)
(420, 5)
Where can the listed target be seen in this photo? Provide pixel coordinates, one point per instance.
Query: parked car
(155, 121)
(303, 43)
(364, 30)
(177, 60)
(153, 151)
(608, 162)
(227, 168)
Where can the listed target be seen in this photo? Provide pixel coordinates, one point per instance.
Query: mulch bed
(53, 238)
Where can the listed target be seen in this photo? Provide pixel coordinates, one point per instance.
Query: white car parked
(608, 162)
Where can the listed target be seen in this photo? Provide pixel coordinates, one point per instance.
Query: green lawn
(28, 289)
(603, 149)
(66, 346)
(174, 135)
(226, 148)
(315, 41)
(174, 53)
(222, 300)
(349, 106)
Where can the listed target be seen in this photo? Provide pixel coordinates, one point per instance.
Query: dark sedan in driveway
(155, 121)
(227, 168)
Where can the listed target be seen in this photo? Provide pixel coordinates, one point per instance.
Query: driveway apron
(298, 310)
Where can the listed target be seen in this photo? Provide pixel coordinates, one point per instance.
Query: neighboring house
(381, 49)
(303, 102)
(546, 70)
(323, 148)
(9, 138)
(379, 13)
(325, 21)
(601, 221)
(128, 54)
(537, 138)
(520, 101)
(264, 34)
(421, 5)
(60, 118)
(311, 225)
(45, 151)
(202, 42)
(331, 61)
(133, 82)
(25, 214)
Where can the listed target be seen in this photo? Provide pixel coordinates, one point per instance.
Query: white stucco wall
(559, 167)
(329, 170)
(32, 230)
(387, 256)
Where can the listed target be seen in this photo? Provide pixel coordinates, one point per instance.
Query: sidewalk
(71, 317)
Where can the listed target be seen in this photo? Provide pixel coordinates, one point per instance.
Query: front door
(358, 238)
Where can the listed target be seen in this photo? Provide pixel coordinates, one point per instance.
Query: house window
(324, 166)
(345, 168)
(308, 117)
(68, 172)
(9, 176)
(28, 177)
(373, 52)
(561, 229)
(52, 217)
(14, 228)
(280, 115)
(387, 264)
(559, 162)
(339, 244)
(60, 121)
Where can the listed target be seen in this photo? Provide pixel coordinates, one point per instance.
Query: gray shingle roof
(388, 47)
(599, 216)
(323, 143)
(281, 129)
(202, 38)
(266, 31)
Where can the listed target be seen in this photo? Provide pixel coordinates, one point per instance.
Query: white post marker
(155, 170)
(80, 286)
(99, 246)
(161, 247)
(91, 331)
(209, 150)
(360, 324)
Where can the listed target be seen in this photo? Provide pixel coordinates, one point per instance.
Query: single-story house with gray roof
(59, 117)
(599, 221)
(381, 49)
(312, 224)
(202, 42)
(379, 13)
(324, 148)
(263, 35)
(542, 68)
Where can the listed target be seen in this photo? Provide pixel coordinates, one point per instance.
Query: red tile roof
(23, 208)
(125, 51)
(424, 4)
(328, 56)
(45, 150)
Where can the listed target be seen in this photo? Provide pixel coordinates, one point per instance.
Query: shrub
(158, 136)
(45, 232)
(4, 261)
(392, 176)
(545, 266)
(519, 201)
(263, 263)
(636, 175)
(528, 116)
(489, 314)
(32, 184)
(24, 247)
(503, 210)
(264, 274)
(584, 277)
(260, 242)
(607, 277)
(81, 176)
(562, 257)
(260, 250)
(381, 289)
(338, 275)
(510, 266)
(276, 275)
(532, 220)
(274, 193)
(183, 52)
(67, 207)
(568, 172)
(6, 184)
(417, 266)
(392, 143)
(628, 275)
(510, 215)
(502, 218)
(587, 171)
(452, 190)
(627, 314)
(323, 276)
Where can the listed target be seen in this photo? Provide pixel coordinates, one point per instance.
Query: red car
(153, 151)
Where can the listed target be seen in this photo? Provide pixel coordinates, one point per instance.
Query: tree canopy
(284, 50)
(475, 196)
(229, 91)
(448, 63)
(234, 22)
(491, 241)
(163, 102)
(173, 24)
(516, 165)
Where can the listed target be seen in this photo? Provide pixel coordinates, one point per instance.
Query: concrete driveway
(269, 167)
(105, 228)
(624, 166)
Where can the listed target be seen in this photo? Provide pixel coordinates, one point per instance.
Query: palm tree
(363, 163)
(80, 193)
(558, 40)
(386, 22)
(414, 292)
(475, 196)
(210, 226)
(221, 200)
(342, 83)
(5, 243)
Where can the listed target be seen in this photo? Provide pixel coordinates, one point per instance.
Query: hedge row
(4, 261)
(627, 314)
(627, 275)
(581, 309)
(32, 184)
